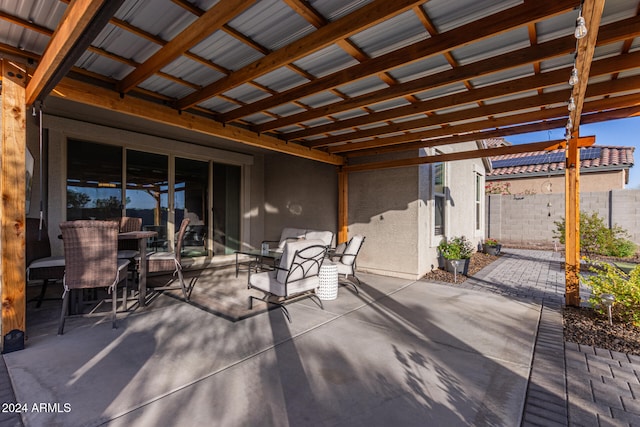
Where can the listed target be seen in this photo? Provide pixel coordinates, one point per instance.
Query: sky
(621, 132)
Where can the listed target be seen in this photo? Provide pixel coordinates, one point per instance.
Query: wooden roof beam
(486, 27)
(81, 22)
(511, 106)
(592, 13)
(550, 78)
(608, 34)
(359, 20)
(480, 125)
(103, 98)
(464, 155)
(208, 23)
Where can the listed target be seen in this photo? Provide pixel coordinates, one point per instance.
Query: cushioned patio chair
(295, 276)
(345, 257)
(128, 249)
(40, 264)
(91, 261)
(163, 262)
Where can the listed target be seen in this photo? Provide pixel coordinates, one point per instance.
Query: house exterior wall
(298, 193)
(530, 218)
(589, 182)
(394, 209)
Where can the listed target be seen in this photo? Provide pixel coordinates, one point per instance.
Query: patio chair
(162, 262)
(91, 261)
(295, 276)
(40, 264)
(128, 249)
(345, 257)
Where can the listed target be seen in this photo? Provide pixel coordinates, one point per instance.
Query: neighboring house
(602, 168)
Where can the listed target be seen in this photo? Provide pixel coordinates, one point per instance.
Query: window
(94, 181)
(439, 198)
(479, 194)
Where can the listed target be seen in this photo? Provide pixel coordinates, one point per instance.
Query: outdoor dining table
(142, 237)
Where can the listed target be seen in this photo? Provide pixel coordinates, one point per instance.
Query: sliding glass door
(147, 194)
(191, 201)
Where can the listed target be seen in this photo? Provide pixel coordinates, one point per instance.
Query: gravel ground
(581, 325)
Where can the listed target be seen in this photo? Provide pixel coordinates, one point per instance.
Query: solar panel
(538, 159)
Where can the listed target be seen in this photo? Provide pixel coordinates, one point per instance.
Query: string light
(581, 27)
(572, 104)
(573, 80)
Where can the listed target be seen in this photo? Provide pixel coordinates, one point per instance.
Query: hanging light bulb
(569, 124)
(573, 80)
(581, 28)
(572, 104)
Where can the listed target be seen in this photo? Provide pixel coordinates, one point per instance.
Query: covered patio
(317, 114)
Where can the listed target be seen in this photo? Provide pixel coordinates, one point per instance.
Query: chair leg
(43, 291)
(65, 307)
(114, 306)
(184, 289)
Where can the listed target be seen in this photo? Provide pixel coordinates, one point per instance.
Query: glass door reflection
(191, 201)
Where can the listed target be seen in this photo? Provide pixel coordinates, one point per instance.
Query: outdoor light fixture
(581, 28)
(607, 300)
(572, 104)
(456, 263)
(573, 80)
(569, 124)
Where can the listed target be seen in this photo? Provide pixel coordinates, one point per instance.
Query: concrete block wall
(531, 218)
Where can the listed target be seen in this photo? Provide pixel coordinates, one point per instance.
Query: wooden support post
(572, 224)
(12, 207)
(343, 207)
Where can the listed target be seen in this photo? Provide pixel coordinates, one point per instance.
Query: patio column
(572, 224)
(343, 211)
(12, 206)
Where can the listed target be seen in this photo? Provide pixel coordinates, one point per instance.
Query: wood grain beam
(74, 23)
(608, 34)
(359, 20)
(465, 155)
(551, 78)
(12, 207)
(510, 120)
(497, 133)
(499, 108)
(486, 27)
(211, 21)
(103, 98)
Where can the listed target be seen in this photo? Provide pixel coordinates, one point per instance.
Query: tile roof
(609, 157)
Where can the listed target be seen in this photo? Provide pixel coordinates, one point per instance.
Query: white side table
(328, 288)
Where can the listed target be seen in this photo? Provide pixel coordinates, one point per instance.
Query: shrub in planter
(456, 248)
(491, 247)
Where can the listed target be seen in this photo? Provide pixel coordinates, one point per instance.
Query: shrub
(597, 238)
(608, 279)
(456, 248)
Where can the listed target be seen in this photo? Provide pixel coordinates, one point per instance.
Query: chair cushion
(127, 254)
(160, 261)
(289, 234)
(289, 254)
(325, 236)
(267, 282)
(50, 261)
(352, 249)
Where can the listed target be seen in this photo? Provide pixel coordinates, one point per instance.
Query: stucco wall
(298, 193)
(530, 218)
(394, 209)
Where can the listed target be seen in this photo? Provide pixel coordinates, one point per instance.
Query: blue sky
(625, 132)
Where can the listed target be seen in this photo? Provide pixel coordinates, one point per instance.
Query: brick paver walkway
(588, 386)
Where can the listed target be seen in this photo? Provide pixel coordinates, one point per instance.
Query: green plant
(597, 238)
(491, 242)
(456, 248)
(605, 278)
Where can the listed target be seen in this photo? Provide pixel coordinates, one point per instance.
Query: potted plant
(456, 248)
(491, 246)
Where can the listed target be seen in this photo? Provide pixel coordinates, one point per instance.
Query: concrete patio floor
(401, 352)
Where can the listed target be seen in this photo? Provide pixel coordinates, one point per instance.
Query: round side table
(328, 287)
